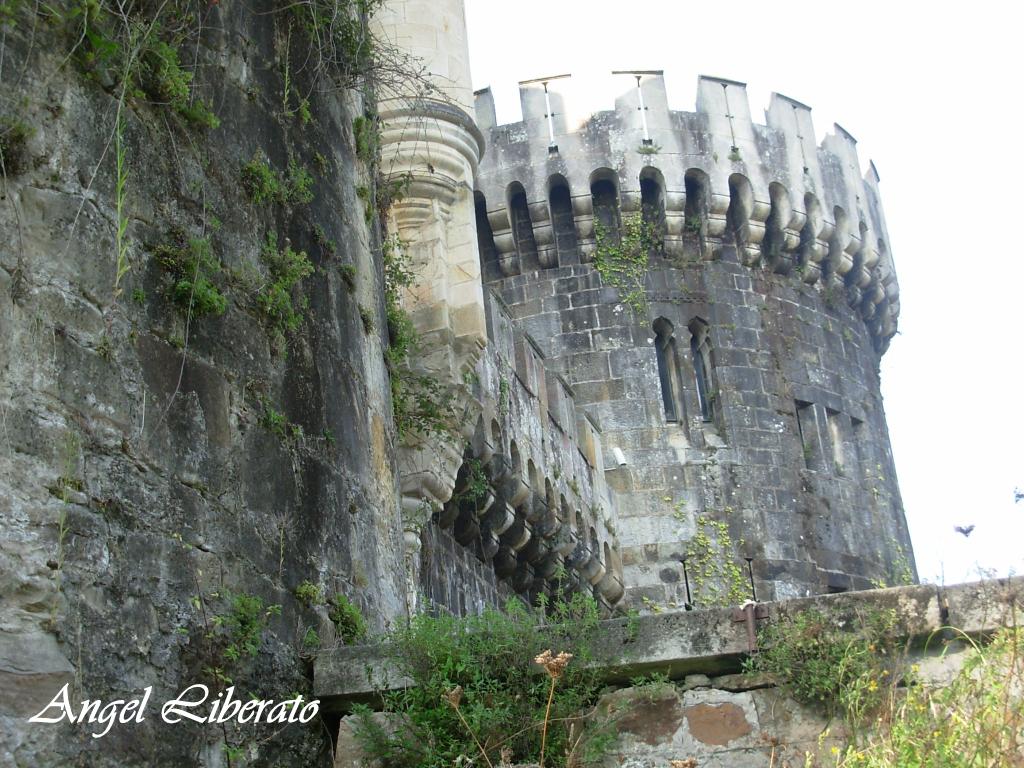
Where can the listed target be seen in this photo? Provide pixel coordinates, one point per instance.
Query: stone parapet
(725, 186)
(714, 641)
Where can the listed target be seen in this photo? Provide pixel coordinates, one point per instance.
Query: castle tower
(430, 147)
(718, 294)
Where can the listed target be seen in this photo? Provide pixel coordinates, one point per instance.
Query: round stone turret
(736, 385)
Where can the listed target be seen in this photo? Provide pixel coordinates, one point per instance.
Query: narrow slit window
(668, 370)
(700, 350)
(837, 436)
(807, 426)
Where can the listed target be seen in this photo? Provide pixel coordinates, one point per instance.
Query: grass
(977, 721)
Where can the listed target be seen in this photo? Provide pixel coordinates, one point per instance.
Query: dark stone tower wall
(787, 461)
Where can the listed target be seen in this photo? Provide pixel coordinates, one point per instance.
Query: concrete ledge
(711, 641)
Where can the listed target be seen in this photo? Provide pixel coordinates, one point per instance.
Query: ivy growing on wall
(622, 258)
(711, 556)
(420, 403)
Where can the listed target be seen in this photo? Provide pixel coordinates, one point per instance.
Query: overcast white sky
(932, 93)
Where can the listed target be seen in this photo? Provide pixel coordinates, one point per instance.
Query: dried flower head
(689, 762)
(454, 696)
(554, 665)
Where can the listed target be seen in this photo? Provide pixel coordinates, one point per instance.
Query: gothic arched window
(700, 349)
(668, 369)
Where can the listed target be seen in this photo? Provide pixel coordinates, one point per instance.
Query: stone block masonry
(742, 392)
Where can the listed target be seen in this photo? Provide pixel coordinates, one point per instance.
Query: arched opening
(652, 207)
(700, 350)
(485, 240)
(668, 369)
(563, 223)
(522, 226)
(605, 197)
(568, 517)
(695, 211)
(496, 435)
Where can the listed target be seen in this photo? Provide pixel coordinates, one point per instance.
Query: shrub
(845, 670)
(478, 687)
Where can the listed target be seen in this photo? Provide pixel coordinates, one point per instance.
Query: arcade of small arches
(691, 225)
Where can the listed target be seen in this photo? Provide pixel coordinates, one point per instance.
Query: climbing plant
(711, 558)
(420, 403)
(622, 258)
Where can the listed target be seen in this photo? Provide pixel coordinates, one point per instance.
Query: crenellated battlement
(714, 181)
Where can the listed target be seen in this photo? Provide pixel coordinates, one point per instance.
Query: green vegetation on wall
(622, 258)
(480, 689)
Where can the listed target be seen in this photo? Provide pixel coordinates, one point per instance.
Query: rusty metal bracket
(749, 614)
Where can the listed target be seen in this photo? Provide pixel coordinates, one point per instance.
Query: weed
(193, 269)
(367, 139)
(846, 671)
(975, 720)
(348, 276)
(287, 268)
(366, 315)
(473, 485)
(163, 79)
(311, 640)
(347, 619)
(309, 594)
(265, 184)
(274, 422)
(260, 181)
(711, 558)
(14, 136)
(299, 186)
(419, 401)
(242, 626)
(327, 245)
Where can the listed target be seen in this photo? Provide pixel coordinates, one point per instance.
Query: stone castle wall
(788, 445)
(151, 469)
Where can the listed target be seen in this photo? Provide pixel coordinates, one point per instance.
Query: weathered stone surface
(140, 488)
(716, 724)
